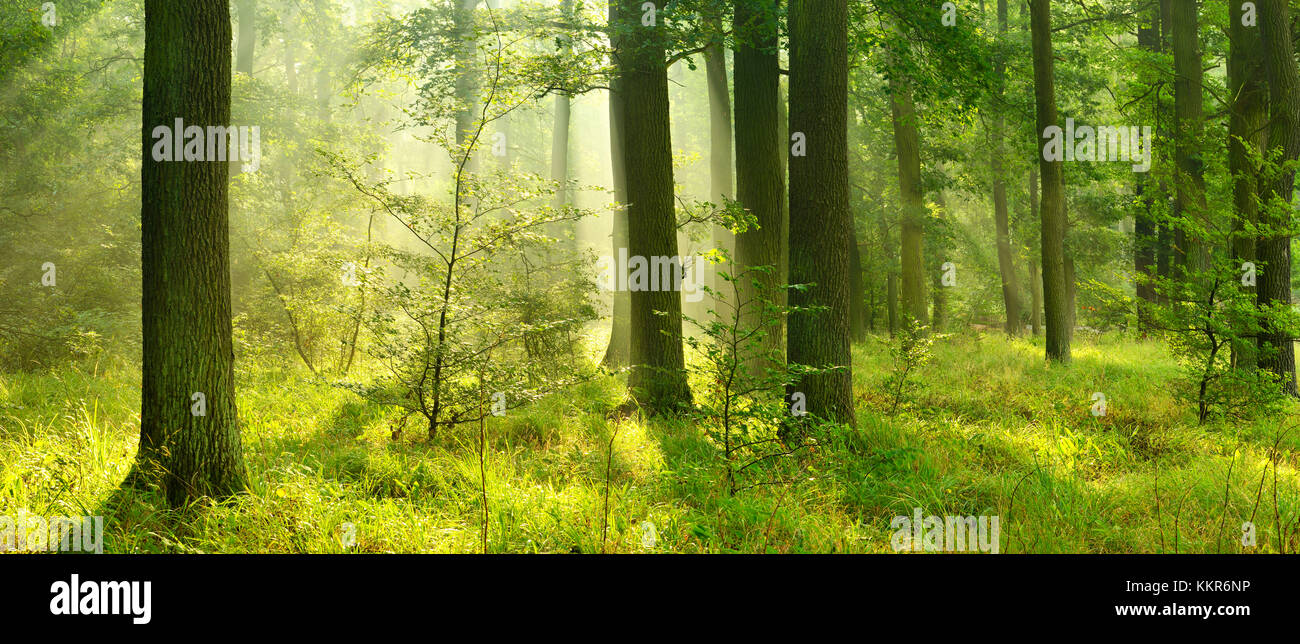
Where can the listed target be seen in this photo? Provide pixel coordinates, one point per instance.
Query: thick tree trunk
(820, 224)
(1055, 294)
(190, 450)
(760, 179)
(657, 381)
(1277, 349)
(912, 217)
(1247, 137)
(1189, 119)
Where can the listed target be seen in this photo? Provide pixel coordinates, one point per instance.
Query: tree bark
(186, 263)
(1052, 211)
(619, 352)
(1247, 137)
(1273, 288)
(820, 224)
(1189, 120)
(912, 217)
(1006, 262)
(760, 179)
(658, 380)
(720, 175)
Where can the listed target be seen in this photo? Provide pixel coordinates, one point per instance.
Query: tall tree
(1247, 139)
(560, 133)
(247, 36)
(911, 218)
(820, 224)
(760, 179)
(720, 175)
(1189, 122)
(1006, 264)
(1144, 225)
(1052, 209)
(618, 353)
(189, 426)
(1277, 349)
(658, 379)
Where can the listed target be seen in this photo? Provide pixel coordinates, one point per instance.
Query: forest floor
(990, 430)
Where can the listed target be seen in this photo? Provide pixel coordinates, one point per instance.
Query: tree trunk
(760, 179)
(1055, 294)
(890, 253)
(912, 217)
(1247, 137)
(619, 352)
(857, 300)
(186, 263)
(1277, 349)
(1035, 278)
(820, 224)
(720, 176)
(1006, 262)
(560, 132)
(247, 36)
(657, 381)
(1189, 119)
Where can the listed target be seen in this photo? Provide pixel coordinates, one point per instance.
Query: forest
(649, 276)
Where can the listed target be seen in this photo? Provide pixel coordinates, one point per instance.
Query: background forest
(696, 276)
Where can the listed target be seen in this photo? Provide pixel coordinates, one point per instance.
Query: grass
(989, 430)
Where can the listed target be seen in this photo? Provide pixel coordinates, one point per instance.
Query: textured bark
(185, 262)
(1052, 210)
(1277, 350)
(820, 224)
(1247, 137)
(657, 381)
(911, 218)
(1144, 227)
(1189, 119)
(1006, 263)
(247, 36)
(760, 179)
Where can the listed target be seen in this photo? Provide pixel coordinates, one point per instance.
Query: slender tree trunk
(1055, 294)
(189, 425)
(857, 299)
(560, 133)
(912, 217)
(1247, 137)
(657, 381)
(1001, 221)
(247, 36)
(820, 224)
(720, 175)
(890, 253)
(619, 352)
(1144, 227)
(466, 74)
(1035, 278)
(760, 179)
(938, 292)
(1277, 349)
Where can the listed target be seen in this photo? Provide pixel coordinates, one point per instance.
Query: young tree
(1052, 209)
(820, 224)
(189, 426)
